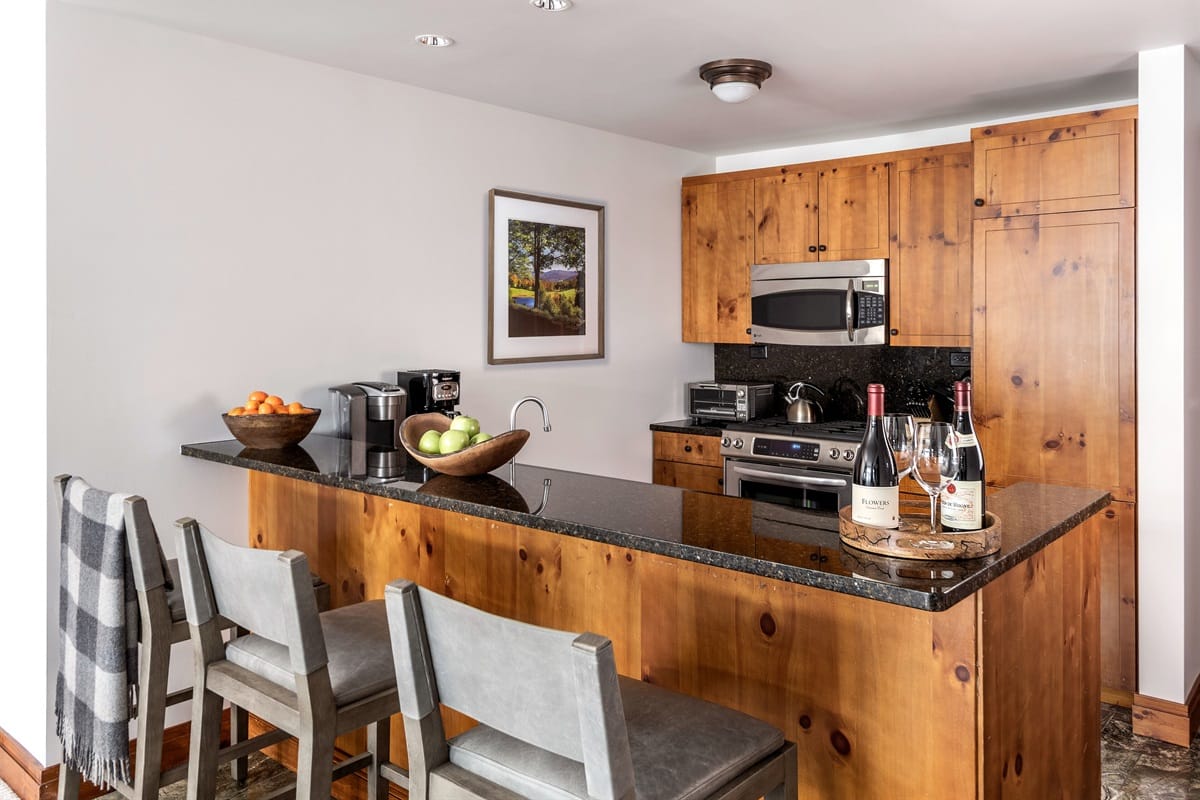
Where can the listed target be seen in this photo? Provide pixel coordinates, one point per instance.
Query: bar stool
(161, 613)
(314, 676)
(556, 721)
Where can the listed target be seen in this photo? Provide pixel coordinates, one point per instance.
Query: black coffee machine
(430, 390)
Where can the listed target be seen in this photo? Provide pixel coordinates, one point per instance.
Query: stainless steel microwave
(819, 302)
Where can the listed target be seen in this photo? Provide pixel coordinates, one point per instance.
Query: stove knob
(725, 442)
(834, 453)
(848, 455)
(737, 444)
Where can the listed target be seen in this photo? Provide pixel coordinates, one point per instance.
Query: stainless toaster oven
(729, 402)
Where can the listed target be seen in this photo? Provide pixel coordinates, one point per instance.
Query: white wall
(1168, 351)
(23, 549)
(224, 219)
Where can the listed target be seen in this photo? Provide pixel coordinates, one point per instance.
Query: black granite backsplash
(909, 374)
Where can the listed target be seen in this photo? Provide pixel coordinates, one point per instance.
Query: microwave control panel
(871, 311)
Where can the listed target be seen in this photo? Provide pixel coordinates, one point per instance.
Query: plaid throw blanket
(98, 635)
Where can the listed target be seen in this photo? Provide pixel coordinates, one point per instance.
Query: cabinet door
(718, 231)
(1053, 349)
(689, 476)
(1117, 526)
(929, 275)
(1040, 167)
(689, 448)
(853, 212)
(785, 218)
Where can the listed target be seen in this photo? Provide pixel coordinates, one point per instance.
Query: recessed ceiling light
(551, 5)
(434, 40)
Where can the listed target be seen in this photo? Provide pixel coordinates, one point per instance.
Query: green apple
(468, 425)
(430, 442)
(452, 441)
(480, 437)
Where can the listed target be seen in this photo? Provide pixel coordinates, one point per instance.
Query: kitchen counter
(895, 678)
(707, 428)
(750, 537)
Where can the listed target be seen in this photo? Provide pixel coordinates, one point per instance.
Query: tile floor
(1132, 768)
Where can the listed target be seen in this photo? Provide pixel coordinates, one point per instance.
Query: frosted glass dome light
(735, 80)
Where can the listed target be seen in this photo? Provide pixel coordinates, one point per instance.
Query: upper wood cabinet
(821, 212)
(718, 248)
(1077, 162)
(929, 275)
(1054, 349)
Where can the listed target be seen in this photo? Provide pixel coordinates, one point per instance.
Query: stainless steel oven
(806, 466)
(819, 303)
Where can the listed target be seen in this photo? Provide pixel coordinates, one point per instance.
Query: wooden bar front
(996, 697)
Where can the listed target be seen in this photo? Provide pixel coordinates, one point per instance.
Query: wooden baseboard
(31, 781)
(1175, 723)
(1116, 697)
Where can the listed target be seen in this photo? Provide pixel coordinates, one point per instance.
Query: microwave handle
(850, 311)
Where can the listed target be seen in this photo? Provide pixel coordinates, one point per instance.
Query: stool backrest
(268, 592)
(552, 689)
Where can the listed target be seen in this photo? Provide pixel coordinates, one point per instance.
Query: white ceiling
(843, 68)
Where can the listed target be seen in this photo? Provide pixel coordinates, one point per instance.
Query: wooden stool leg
(379, 744)
(153, 664)
(239, 731)
(205, 742)
(68, 783)
(314, 765)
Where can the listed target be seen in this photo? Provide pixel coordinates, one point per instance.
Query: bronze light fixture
(735, 80)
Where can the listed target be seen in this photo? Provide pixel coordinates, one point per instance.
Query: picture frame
(545, 279)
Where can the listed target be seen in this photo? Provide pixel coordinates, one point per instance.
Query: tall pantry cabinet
(1053, 333)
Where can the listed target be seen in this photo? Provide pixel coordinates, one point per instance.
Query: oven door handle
(850, 311)
(801, 479)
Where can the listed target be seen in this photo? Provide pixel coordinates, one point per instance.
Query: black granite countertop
(756, 538)
(689, 426)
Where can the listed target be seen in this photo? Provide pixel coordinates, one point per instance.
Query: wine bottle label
(961, 505)
(965, 440)
(878, 506)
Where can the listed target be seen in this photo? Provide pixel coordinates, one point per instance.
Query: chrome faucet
(512, 417)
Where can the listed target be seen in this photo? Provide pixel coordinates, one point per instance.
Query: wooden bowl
(271, 431)
(477, 459)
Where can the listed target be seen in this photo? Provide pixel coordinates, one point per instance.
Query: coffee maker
(430, 390)
(369, 413)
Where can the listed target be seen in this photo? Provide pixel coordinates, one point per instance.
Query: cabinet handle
(978, 201)
(895, 331)
(687, 448)
(822, 248)
(813, 556)
(812, 248)
(747, 331)
(720, 481)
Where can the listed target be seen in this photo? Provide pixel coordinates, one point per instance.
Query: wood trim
(1116, 697)
(24, 773)
(1062, 121)
(851, 161)
(1175, 723)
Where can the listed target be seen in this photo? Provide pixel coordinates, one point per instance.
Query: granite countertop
(757, 538)
(710, 428)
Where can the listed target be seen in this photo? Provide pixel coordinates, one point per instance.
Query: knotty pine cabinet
(689, 462)
(929, 274)
(718, 248)
(821, 212)
(1117, 529)
(1076, 162)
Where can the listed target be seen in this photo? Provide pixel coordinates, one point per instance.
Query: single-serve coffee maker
(430, 390)
(369, 413)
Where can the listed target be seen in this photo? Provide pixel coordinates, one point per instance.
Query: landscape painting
(546, 279)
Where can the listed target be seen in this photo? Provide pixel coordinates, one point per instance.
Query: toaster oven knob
(848, 455)
(725, 442)
(834, 453)
(737, 444)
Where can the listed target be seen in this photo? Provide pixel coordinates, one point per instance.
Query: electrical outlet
(960, 358)
(758, 351)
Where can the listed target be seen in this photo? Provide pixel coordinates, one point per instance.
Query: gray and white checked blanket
(98, 635)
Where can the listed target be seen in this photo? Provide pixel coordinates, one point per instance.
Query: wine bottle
(875, 492)
(964, 499)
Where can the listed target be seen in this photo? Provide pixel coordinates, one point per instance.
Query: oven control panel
(780, 449)
(785, 448)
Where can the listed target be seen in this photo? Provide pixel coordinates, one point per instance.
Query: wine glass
(935, 461)
(900, 432)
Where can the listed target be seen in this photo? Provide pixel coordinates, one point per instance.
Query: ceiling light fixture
(735, 80)
(434, 40)
(551, 5)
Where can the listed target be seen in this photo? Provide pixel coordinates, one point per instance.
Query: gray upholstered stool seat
(357, 640)
(682, 749)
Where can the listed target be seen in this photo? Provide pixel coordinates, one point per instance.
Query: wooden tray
(915, 539)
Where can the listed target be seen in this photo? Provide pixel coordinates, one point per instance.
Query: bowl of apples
(456, 445)
(266, 422)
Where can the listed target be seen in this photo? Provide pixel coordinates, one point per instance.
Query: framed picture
(545, 279)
